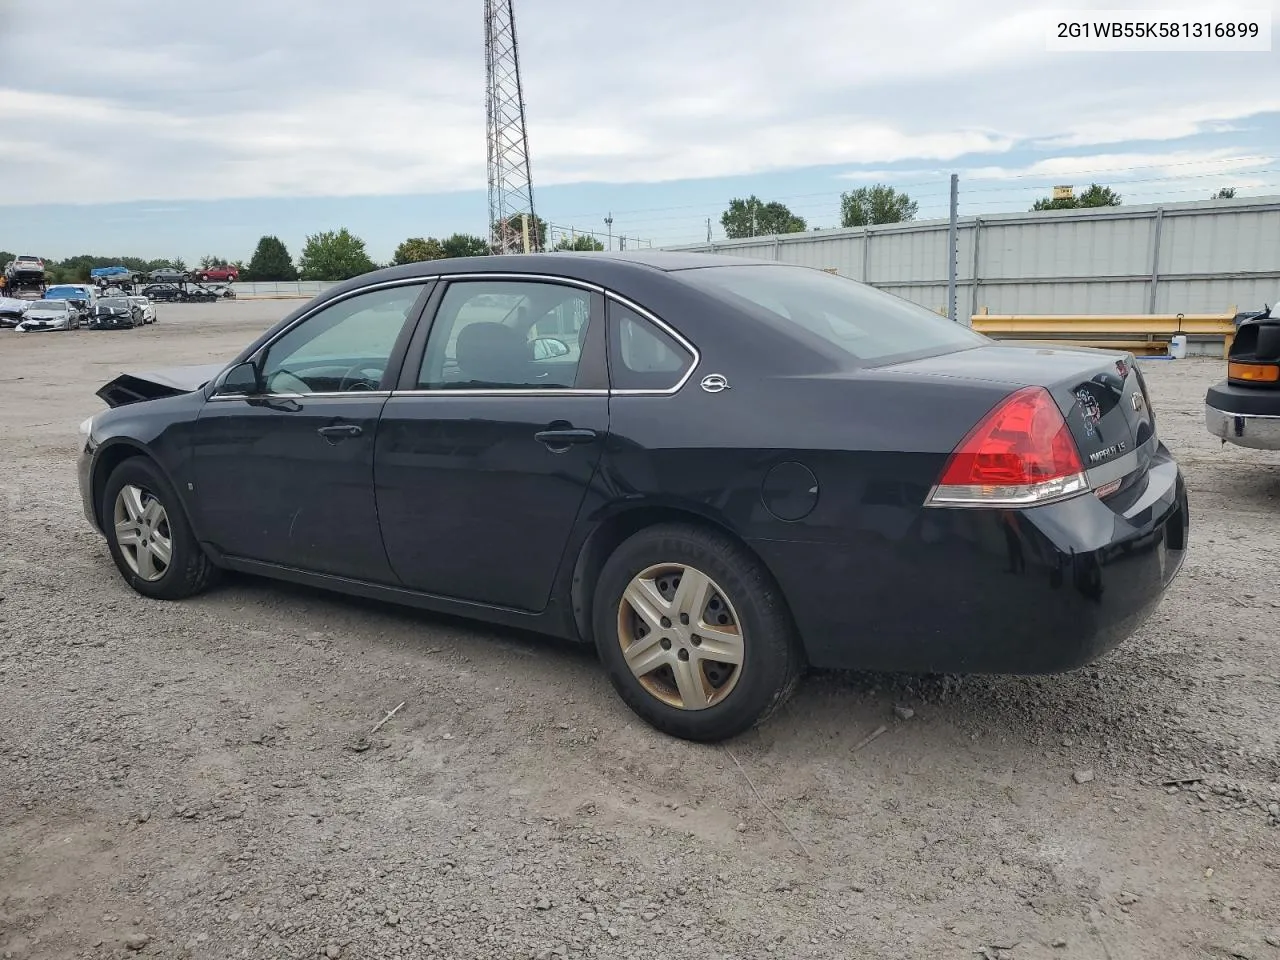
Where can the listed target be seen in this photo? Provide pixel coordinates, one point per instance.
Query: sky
(166, 133)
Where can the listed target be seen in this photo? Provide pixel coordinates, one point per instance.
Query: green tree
(5, 257)
(270, 262)
(417, 249)
(334, 255)
(208, 262)
(754, 218)
(583, 241)
(875, 204)
(1226, 193)
(1095, 196)
(464, 245)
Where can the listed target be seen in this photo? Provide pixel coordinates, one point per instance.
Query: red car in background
(225, 274)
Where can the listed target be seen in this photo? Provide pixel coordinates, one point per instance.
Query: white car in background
(49, 315)
(148, 309)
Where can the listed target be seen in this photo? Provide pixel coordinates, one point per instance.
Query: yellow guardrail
(1137, 331)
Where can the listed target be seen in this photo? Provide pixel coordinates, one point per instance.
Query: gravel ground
(193, 779)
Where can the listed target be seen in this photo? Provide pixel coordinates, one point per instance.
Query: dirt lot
(180, 779)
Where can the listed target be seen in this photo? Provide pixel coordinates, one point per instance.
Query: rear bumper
(1033, 591)
(1247, 417)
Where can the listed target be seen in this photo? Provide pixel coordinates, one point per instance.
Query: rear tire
(149, 536)
(671, 673)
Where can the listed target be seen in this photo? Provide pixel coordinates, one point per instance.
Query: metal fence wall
(1199, 257)
(283, 288)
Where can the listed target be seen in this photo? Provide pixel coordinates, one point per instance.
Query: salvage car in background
(741, 467)
(25, 272)
(168, 275)
(114, 313)
(226, 274)
(45, 315)
(118, 274)
(81, 296)
(162, 292)
(1244, 409)
(12, 310)
(146, 307)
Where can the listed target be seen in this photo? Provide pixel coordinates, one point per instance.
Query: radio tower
(511, 217)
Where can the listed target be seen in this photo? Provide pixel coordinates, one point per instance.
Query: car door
(486, 451)
(283, 450)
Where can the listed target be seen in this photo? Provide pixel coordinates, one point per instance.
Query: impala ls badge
(714, 383)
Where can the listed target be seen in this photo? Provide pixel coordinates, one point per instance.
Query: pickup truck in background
(1244, 409)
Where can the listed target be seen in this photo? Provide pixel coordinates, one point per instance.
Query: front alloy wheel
(143, 533)
(147, 531)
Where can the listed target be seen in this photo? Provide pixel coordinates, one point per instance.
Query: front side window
(506, 334)
(346, 346)
(864, 324)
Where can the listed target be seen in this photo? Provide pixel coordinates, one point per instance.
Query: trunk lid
(1101, 395)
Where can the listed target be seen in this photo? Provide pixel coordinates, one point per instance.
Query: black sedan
(718, 471)
(114, 313)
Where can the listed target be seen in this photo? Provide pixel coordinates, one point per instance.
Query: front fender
(161, 430)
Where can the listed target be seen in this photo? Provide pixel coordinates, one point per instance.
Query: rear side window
(866, 324)
(642, 356)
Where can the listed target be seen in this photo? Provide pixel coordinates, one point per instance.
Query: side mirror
(242, 380)
(549, 348)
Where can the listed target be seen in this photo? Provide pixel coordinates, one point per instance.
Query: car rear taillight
(1020, 454)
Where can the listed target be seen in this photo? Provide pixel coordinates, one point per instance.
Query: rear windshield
(866, 324)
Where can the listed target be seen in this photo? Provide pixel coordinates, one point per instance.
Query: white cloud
(268, 99)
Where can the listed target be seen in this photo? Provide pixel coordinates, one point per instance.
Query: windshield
(54, 305)
(866, 324)
(114, 302)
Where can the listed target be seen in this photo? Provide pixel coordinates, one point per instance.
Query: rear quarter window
(867, 325)
(642, 356)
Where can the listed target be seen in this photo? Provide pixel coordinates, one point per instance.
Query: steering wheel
(350, 380)
(282, 381)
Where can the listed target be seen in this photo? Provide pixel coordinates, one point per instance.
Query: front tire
(694, 633)
(147, 532)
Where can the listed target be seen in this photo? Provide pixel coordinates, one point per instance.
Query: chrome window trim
(643, 312)
(671, 332)
(328, 394)
(500, 392)
(531, 277)
(383, 285)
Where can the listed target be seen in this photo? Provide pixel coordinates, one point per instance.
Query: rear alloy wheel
(148, 535)
(694, 633)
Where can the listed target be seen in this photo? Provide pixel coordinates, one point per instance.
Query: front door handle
(561, 438)
(340, 431)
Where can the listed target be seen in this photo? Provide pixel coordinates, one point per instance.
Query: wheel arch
(615, 528)
(113, 453)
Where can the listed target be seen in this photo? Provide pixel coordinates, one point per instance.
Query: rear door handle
(340, 431)
(562, 438)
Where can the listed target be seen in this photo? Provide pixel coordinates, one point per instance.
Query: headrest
(492, 353)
